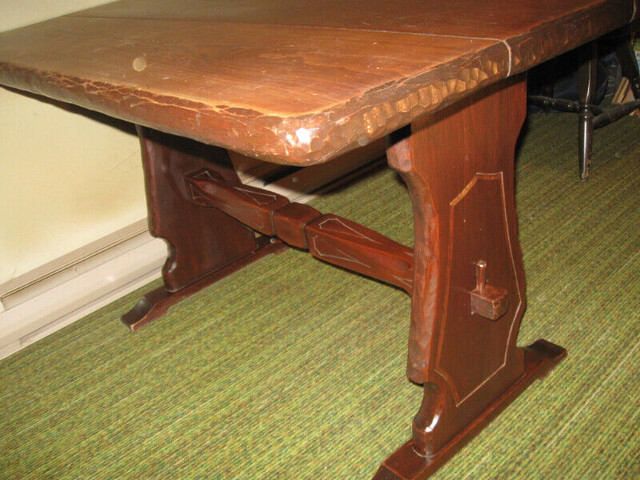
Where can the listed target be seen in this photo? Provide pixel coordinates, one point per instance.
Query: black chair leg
(587, 85)
(591, 116)
(629, 65)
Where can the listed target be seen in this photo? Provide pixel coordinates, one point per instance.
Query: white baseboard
(47, 299)
(113, 273)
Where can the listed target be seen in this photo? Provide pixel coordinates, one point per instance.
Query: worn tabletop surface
(287, 80)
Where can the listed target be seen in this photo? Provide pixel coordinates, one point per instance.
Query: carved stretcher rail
(330, 238)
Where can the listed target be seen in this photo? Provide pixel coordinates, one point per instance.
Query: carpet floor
(293, 369)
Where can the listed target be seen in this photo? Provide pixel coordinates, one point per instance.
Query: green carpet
(293, 369)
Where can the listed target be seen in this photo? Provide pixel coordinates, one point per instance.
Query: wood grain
(330, 238)
(406, 464)
(459, 167)
(205, 244)
(197, 246)
(291, 82)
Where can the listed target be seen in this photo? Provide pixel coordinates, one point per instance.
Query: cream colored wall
(65, 180)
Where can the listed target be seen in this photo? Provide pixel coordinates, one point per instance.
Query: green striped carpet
(292, 369)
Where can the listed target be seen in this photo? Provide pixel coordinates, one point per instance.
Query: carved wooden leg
(205, 244)
(469, 288)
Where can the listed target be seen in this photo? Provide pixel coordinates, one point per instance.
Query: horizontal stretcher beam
(330, 238)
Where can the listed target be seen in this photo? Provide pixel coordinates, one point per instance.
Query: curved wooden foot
(205, 244)
(156, 303)
(468, 292)
(406, 464)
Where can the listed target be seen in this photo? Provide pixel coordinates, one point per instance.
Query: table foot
(468, 295)
(406, 464)
(156, 303)
(205, 244)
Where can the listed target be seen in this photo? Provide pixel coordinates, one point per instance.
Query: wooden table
(299, 83)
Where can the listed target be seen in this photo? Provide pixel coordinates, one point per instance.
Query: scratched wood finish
(330, 238)
(291, 82)
(459, 167)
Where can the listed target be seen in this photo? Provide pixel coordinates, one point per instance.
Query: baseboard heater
(67, 289)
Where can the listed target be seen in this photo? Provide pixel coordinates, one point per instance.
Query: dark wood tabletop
(291, 81)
